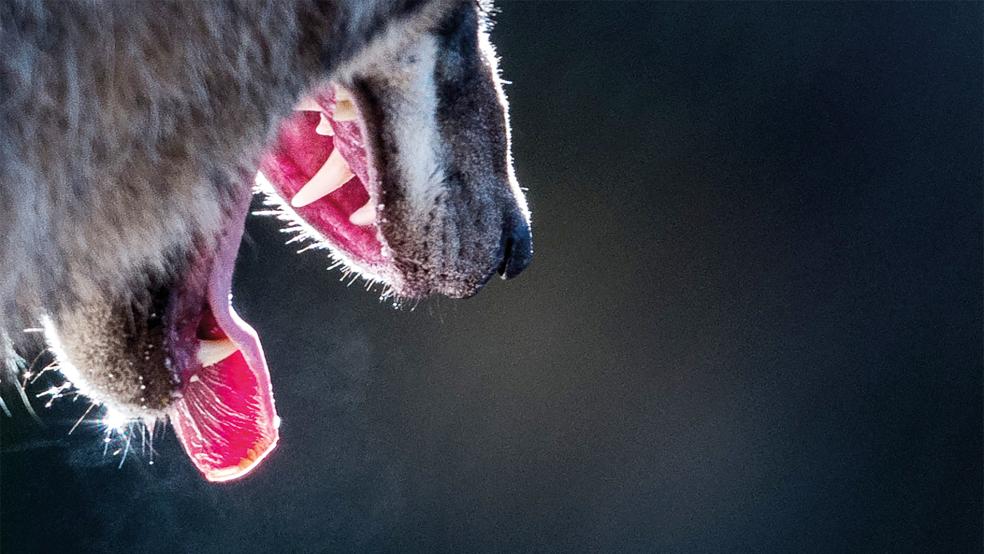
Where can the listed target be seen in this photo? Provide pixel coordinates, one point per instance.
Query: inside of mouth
(224, 418)
(224, 414)
(319, 170)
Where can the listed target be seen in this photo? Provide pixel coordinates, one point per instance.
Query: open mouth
(318, 171)
(223, 413)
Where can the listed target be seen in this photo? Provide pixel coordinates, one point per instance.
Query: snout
(463, 276)
(449, 210)
(514, 255)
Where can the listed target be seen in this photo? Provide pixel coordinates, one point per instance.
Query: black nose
(517, 249)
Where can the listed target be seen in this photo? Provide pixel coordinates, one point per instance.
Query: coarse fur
(129, 128)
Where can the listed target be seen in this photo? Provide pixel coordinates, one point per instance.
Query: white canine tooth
(324, 127)
(307, 104)
(329, 178)
(211, 352)
(364, 215)
(344, 111)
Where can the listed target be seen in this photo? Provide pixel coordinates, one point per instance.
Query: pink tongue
(224, 421)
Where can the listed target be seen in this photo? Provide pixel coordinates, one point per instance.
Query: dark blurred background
(753, 322)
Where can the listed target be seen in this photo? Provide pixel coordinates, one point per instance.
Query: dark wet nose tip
(517, 250)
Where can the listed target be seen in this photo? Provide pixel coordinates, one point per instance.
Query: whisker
(89, 409)
(27, 402)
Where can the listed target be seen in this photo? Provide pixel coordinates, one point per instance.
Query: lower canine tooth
(364, 215)
(329, 178)
(211, 352)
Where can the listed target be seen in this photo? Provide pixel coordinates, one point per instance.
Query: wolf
(135, 133)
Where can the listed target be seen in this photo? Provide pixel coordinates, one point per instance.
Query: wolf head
(379, 130)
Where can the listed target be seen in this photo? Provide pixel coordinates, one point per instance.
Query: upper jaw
(425, 154)
(434, 121)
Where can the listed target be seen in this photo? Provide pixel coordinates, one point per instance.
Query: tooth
(211, 352)
(364, 215)
(344, 105)
(342, 94)
(307, 104)
(328, 179)
(344, 111)
(324, 127)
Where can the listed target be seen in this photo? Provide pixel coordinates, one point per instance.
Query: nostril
(506, 250)
(517, 250)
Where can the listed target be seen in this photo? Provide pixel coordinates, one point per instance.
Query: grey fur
(129, 127)
(126, 124)
(449, 233)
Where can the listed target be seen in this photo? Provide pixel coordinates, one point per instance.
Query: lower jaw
(224, 413)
